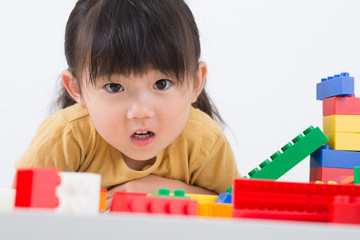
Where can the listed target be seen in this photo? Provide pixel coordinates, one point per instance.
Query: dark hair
(130, 36)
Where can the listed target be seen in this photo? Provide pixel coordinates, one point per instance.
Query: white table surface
(22, 224)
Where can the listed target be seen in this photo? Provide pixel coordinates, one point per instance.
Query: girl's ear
(72, 87)
(200, 80)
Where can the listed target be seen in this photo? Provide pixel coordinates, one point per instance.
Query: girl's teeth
(141, 132)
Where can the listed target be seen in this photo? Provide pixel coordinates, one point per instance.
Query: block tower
(341, 125)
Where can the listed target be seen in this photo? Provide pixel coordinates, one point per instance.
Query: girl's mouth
(142, 139)
(142, 135)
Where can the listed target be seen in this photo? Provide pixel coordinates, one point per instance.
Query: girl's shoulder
(72, 117)
(74, 113)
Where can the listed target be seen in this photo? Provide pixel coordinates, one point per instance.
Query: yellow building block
(341, 123)
(215, 210)
(344, 141)
(203, 198)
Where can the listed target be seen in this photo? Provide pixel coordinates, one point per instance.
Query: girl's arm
(151, 184)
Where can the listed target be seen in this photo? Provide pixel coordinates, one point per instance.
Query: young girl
(134, 107)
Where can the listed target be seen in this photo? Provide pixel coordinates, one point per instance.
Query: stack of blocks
(341, 125)
(62, 192)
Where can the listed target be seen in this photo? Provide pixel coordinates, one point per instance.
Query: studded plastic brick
(337, 85)
(290, 155)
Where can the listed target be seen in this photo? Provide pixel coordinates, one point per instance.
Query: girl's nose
(140, 108)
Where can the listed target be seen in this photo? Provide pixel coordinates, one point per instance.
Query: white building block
(79, 193)
(7, 199)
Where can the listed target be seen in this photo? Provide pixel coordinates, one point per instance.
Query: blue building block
(326, 157)
(339, 85)
(224, 198)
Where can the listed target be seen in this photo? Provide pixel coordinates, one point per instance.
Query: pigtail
(64, 99)
(205, 104)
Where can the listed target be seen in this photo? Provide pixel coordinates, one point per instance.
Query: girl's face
(140, 115)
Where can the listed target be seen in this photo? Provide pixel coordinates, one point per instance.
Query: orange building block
(214, 210)
(103, 197)
(344, 180)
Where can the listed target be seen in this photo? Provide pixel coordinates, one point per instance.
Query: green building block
(290, 155)
(229, 190)
(356, 175)
(164, 192)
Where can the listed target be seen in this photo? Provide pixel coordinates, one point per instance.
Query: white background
(264, 58)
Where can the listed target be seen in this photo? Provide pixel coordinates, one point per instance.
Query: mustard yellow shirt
(68, 141)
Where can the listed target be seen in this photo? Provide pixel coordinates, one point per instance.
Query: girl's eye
(114, 87)
(162, 84)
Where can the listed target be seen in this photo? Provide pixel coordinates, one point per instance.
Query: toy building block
(287, 200)
(356, 175)
(341, 123)
(345, 210)
(203, 198)
(103, 198)
(140, 203)
(7, 199)
(229, 190)
(79, 193)
(344, 141)
(326, 174)
(36, 188)
(165, 192)
(344, 180)
(349, 105)
(215, 210)
(326, 157)
(121, 201)
(292, 154)
(339, 85)
(224, 198)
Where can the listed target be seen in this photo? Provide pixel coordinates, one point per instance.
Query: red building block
(345, 211)
(121, 201)
(287, 200)
(326, 174)
(36, 188)
(141, 203)
(349, 105)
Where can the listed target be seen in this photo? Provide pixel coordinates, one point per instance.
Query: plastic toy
(349, 105)
(141, 203)
(326, 157)
(344, 141)
(36, 188)
(357, 175)
(344, 180)
(292, 154)
(345, 210)
(215, 210)
(202, 198)
(341, 123)
(103, 197)
(224, 198)
(326, 174)
(164, 192)
(79, 193)
(7, 199)
(287, 200)
(338, 85)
